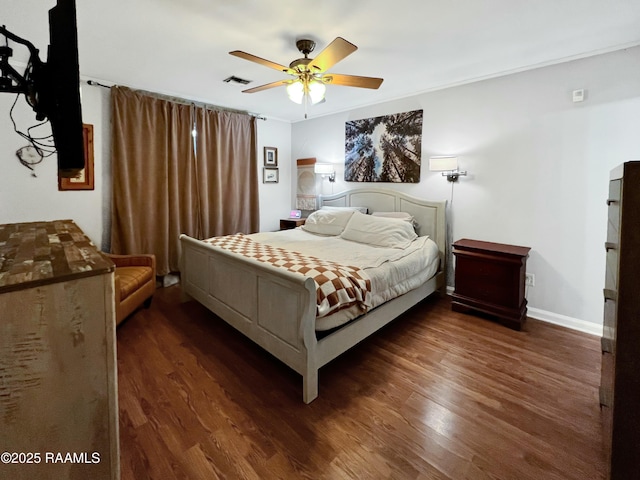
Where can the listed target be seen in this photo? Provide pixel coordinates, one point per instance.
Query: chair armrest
(139, 260)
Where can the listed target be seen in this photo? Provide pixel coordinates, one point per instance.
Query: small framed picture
(270, 157)
(269, 175)
(84, 180)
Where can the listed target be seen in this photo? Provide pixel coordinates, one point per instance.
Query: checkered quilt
(337, 286)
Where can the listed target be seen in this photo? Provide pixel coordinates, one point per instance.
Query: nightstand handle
(610, 294)
(611, 200)
(610, 246)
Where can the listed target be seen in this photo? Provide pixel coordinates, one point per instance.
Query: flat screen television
(60, 91)
(53, 88)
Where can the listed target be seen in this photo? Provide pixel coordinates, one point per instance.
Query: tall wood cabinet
(620, 382)
(58, 394)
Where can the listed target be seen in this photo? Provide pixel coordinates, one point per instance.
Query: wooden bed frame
(276, 308)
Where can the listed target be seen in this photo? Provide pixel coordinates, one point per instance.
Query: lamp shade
(443, 164)
(295, 91)
(323, 168)
(316, 91)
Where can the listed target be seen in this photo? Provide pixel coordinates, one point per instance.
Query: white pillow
(359, 209)
(403, 215)
(327, 222)
(379, 231)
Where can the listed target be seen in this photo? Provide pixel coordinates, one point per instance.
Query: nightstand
(289, 223)
(490, 278)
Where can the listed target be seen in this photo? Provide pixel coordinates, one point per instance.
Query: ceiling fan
(310, 74)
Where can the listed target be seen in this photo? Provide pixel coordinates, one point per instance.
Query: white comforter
(392, 271)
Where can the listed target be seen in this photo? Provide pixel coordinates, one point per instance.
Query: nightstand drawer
(613, 223)
(611, 271)
(613, 214)
(486, 280)
(609, 324)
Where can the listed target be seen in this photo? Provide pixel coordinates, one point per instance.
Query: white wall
(24, 198)
(538, 167)
(275, 200)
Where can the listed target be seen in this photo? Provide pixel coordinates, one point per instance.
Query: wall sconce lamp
(448, 166)
(325, 170)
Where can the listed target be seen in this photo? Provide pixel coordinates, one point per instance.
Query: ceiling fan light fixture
(310, 80)
(295, 91)
(317, 90)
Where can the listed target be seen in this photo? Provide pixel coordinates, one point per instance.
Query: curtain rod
(94, 83)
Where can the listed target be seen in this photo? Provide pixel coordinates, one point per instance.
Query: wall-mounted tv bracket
(10, 79)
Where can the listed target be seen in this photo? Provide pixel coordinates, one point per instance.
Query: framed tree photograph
(269, 175)
(270, 157)
(384, 149)
(85, 179)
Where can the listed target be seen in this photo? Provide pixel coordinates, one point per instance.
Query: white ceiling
(181, 47)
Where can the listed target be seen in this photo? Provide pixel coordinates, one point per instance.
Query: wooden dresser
(620, 381)
(58, 381)
(489, 278)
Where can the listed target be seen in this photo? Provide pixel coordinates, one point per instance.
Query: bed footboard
(273, 307)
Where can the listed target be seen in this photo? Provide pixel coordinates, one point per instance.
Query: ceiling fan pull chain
(305, 105)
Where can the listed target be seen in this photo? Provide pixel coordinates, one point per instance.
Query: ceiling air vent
(235, 79)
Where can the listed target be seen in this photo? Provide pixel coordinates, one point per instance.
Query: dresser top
(620, 171)
(39, 253)
(478, 245)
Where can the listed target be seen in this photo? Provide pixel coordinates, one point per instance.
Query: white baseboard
(565, 321)
(558, 319)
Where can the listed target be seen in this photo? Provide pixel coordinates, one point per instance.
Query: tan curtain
(162, 187)
(229, 177)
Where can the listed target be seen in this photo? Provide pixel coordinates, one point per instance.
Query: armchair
(135, 282)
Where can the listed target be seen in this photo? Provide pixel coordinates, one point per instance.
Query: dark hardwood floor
(434, 395)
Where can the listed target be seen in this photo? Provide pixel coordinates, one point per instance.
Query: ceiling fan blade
(352, 80)
(332, 54)
(261, 61)
(267, 86)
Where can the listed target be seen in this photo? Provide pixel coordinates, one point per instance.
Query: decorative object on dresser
(620, 372)
(57, 352)
(490, 278)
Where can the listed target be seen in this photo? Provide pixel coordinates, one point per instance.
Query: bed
(277, 308)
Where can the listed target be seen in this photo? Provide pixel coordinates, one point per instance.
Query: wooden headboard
(430, 216)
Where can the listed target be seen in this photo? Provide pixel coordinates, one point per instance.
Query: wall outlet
(530, 279)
